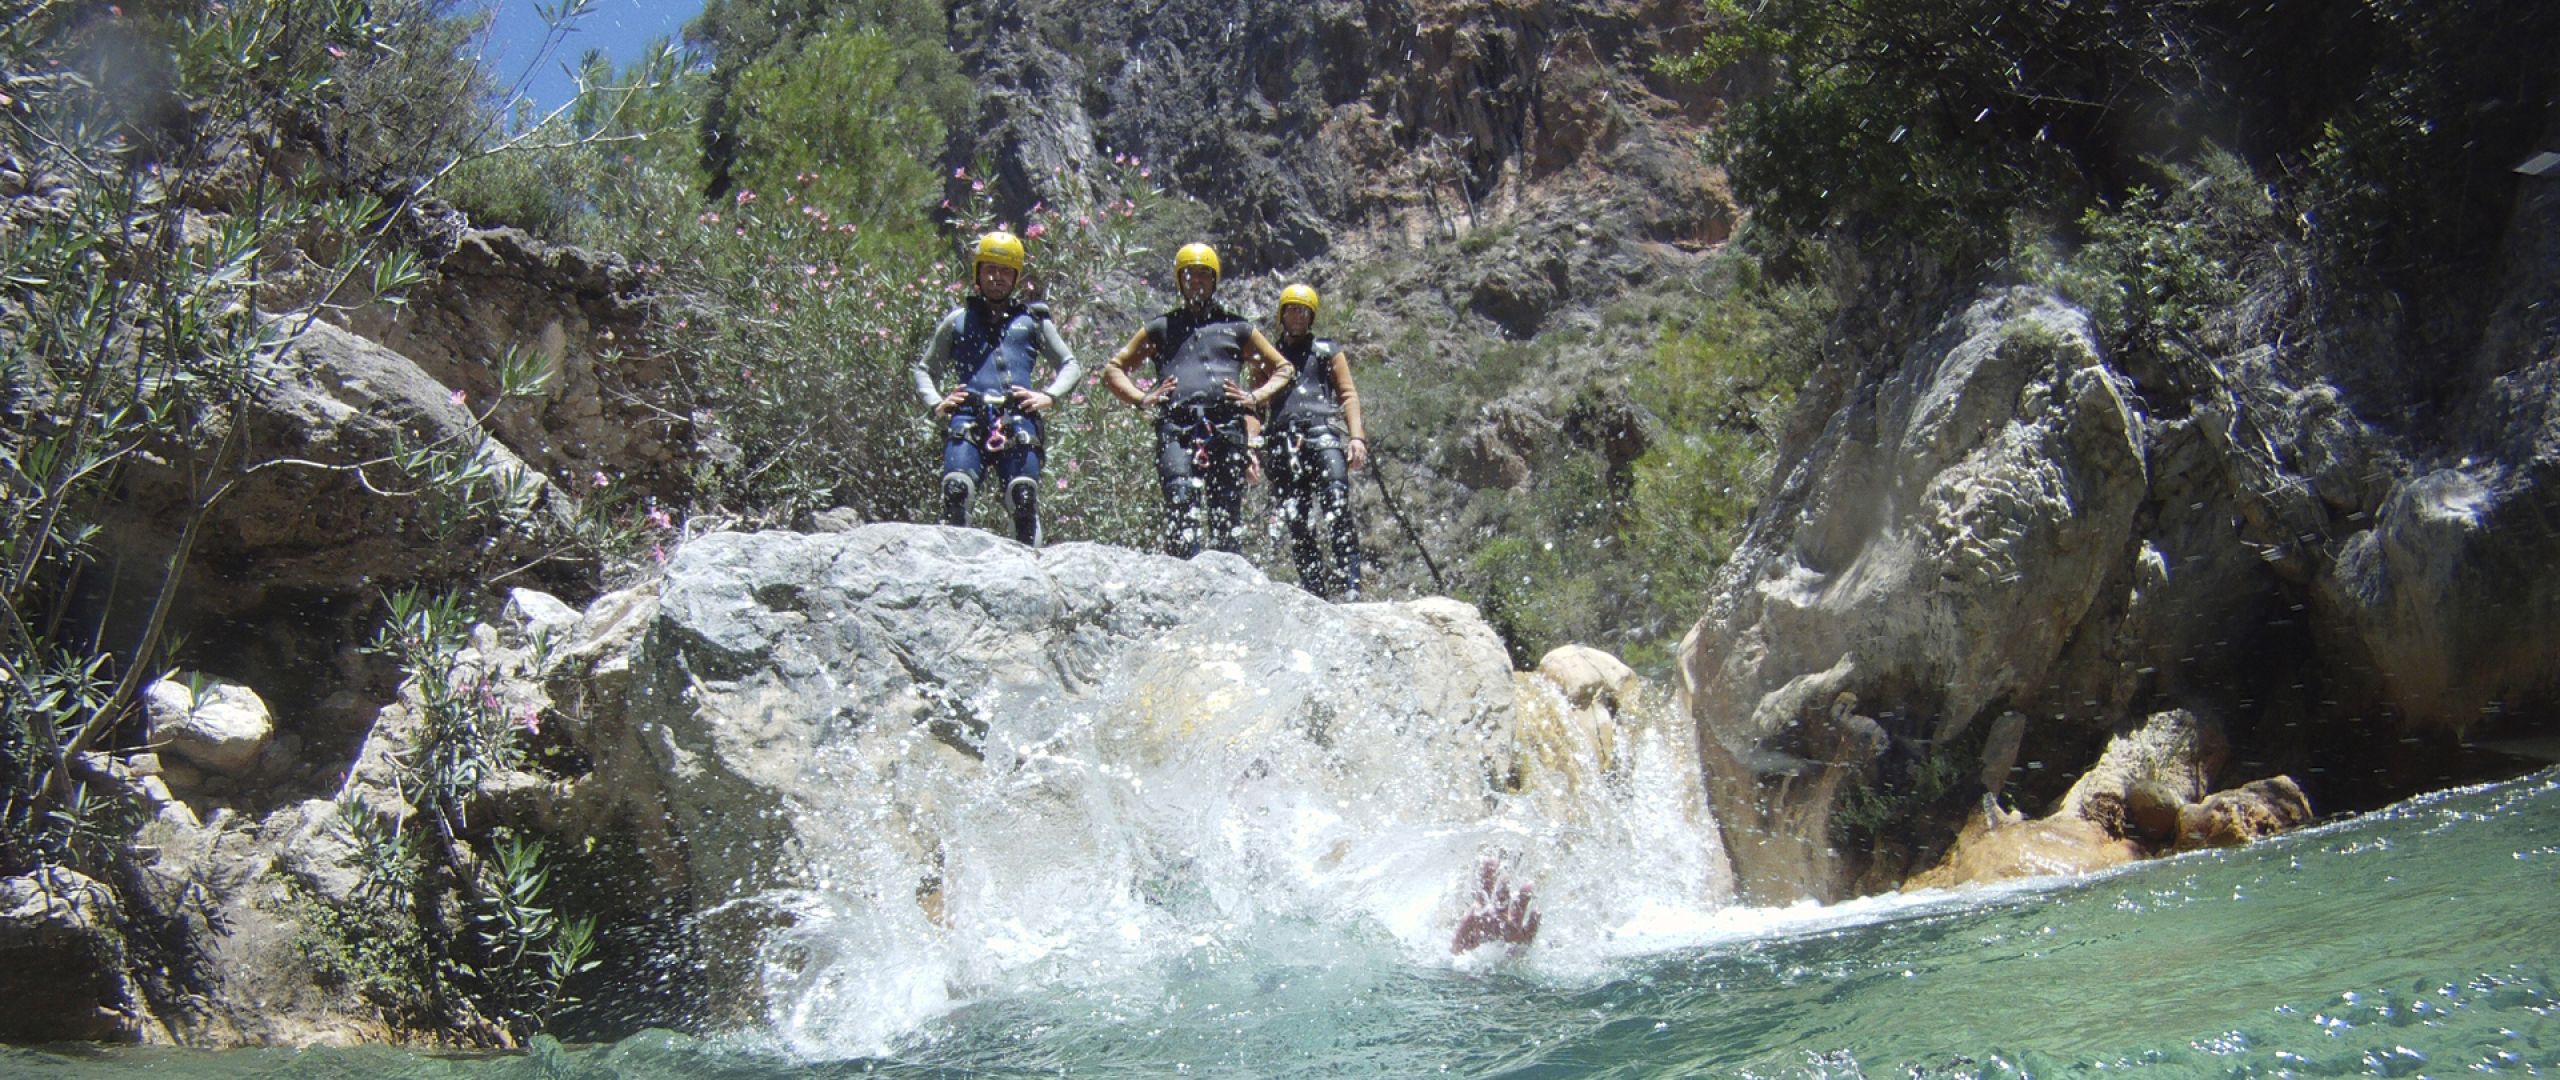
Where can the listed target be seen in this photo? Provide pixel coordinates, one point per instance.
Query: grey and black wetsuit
(989, 350)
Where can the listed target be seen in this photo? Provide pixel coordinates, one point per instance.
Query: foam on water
(1074, 857)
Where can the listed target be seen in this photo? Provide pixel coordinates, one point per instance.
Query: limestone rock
(62, 962)
(238, 891)
(1950, 532)
(540, 614)
(1503, 449)
(2172, 758)
(777, 666)
(218, 725)
(2002, 845)
(2253, 811)
(1570, 714)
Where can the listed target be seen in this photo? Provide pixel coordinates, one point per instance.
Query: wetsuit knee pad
(1022, 495)
(957, 491)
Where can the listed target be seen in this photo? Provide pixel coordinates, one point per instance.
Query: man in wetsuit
(1310, 445)
(1205, 355)
(989, 347)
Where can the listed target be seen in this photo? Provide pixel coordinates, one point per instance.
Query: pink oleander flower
(600, 479)
(1036, 231)
(659, 517)
(460, 398)
(529, 720)
(1062, 483)
(745, 196)
(961, 173)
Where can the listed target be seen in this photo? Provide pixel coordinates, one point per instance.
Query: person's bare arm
(1115, 374)
(1270, 370)
(1358, 452)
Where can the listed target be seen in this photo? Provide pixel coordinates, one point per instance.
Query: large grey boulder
(1936, 553)
(800, 707)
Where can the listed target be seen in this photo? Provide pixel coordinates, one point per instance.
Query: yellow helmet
(1299, 294)
(1197, 255)
(999, 247)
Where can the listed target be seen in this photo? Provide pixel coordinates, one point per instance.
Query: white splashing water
(1077, 855)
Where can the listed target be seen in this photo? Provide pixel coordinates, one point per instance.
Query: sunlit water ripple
(2418, 941)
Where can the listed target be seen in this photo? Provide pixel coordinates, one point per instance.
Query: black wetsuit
(1200, 434)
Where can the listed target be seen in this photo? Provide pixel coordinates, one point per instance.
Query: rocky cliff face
(1311, 128)
(1460, 179)
(2343, 563)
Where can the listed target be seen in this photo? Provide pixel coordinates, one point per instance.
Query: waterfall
(1101, 853)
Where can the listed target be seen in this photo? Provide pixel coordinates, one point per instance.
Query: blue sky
(622, 28)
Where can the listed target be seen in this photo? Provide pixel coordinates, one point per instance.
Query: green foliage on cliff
(750, 47)
(192, 189)
(857, 110)
(148, 295)
(2389, 124)
(1624, 561)
(1934, 120)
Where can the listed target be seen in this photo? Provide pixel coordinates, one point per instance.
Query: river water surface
(2422, 940)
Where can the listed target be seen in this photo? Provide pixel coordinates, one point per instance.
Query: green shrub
(183, 242)
(1624, 563)
(167, 267)
(1933, 120)
(2157, 265)
(852, 117)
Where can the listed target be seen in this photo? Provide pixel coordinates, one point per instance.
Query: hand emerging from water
(1498, 912)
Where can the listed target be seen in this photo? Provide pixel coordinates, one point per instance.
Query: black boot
(957, 490)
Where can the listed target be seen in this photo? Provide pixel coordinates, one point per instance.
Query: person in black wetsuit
(1205, 356)
(989, 347)
(1311, 443)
